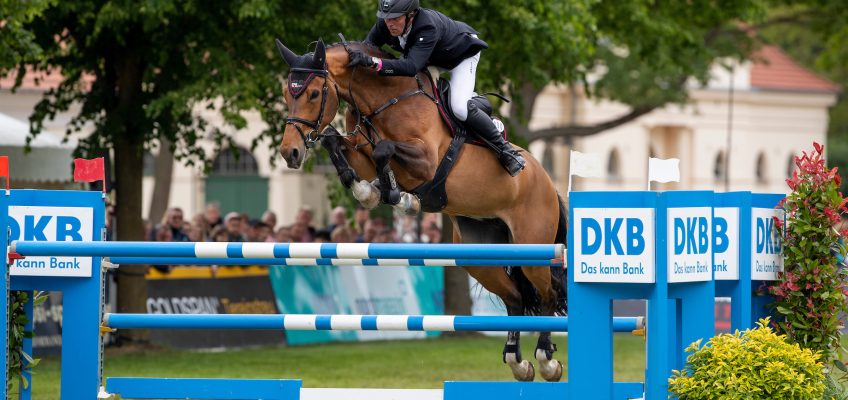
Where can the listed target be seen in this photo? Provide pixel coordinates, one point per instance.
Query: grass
(393, 364)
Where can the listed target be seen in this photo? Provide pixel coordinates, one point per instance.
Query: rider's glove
(360, 58)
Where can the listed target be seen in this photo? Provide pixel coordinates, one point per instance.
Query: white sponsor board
(55, 224)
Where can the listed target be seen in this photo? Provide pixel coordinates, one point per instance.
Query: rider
(428, 37)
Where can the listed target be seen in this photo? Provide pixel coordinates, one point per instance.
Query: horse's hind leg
(543, 280)
(497, 281)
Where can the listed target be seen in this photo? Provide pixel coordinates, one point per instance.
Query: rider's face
(396, 25)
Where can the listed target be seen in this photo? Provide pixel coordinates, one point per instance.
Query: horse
(396, 135)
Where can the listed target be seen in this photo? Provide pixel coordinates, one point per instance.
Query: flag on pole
(586, 165)
(4, 169)
(663, 171)
(90, 171)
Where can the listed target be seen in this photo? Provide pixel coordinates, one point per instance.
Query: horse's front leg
(332, 142)
(390, 191)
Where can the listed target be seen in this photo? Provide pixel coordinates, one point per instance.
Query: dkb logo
(720, 240)
(55, 224)
(768, 239)
(595, 236)
(691, 235)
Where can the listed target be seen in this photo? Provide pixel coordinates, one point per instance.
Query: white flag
(587, 165)
(660, 170)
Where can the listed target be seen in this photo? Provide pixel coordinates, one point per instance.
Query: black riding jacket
(434, 39)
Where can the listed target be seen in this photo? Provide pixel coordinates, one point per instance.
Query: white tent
(49, 159)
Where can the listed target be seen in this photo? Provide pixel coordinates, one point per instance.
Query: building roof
(775, 70)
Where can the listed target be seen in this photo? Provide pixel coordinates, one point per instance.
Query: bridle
(311, 137)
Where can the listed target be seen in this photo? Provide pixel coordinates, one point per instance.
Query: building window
(614, 167)
(720, 167)
(148, 164)
(548, 158)
(235, 162)
(762, 169)
(790, 166)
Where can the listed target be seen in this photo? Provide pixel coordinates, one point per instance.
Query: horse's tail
(529, 295)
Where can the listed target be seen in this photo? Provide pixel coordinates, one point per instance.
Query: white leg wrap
(408, 204)
(366, 193)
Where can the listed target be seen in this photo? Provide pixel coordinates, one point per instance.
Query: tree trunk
(457, 292)
(164, 168)
(128, 142)
(132, 286)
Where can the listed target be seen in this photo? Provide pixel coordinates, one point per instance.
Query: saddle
(432, 195)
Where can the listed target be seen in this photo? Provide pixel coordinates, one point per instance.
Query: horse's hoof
(523, 371)
(551, 370)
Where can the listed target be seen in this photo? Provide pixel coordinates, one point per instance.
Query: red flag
(4, 169)
(89, 170)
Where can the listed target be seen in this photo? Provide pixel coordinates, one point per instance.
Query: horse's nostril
(295, 153)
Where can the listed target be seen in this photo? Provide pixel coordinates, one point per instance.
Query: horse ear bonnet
(300, 76)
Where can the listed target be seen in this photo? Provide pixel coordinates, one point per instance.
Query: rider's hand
(360, 58)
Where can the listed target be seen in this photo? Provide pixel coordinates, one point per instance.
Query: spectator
(343, 234)
(234, 227)
(385, 235)
(245, 224)
(283, 235)
(300, 233)
(431, 234)
(163, 235)
(322, 236)
(219, 234)
(195, 234)
(257, 231)
(270, 219)
(199, 222)
(338, 217)
(369, 232)
(173, 221)
(361, 216)
(213, 215)
(304, 217)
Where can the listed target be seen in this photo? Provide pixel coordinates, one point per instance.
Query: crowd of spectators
(211, 226)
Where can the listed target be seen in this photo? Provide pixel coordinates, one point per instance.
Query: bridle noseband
(310, 138)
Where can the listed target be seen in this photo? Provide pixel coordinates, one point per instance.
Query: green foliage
(810, 295)
(20, 361)
(750, 365)
(17, 44)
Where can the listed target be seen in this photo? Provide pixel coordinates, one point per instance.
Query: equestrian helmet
(388, 9)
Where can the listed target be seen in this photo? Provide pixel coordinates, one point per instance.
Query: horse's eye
(313, 95)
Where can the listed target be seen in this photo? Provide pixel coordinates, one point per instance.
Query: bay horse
(396, 135)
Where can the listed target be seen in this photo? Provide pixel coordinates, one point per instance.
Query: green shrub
(750, 365)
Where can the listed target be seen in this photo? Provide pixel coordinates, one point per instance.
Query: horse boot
(482, 125)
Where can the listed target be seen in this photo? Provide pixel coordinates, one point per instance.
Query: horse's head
(312, 102)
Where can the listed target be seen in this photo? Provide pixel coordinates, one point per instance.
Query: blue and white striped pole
(311, 322)
(344, 262)
(289, 250)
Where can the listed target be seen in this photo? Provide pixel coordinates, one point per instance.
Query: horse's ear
(320, 54)
(288, 55)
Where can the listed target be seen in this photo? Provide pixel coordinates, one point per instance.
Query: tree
(139, 70)
(816, 40)
(641, 53)
(17, 43)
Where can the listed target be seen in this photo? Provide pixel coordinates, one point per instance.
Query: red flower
(818, 147)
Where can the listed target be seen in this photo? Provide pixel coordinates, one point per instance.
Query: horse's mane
(366, 48)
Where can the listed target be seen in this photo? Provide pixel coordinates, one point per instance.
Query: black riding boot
(482, 125)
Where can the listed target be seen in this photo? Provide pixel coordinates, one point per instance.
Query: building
(765, 112)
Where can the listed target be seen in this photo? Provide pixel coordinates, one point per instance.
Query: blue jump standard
(289, 250)
(328, 261)
(353, 322)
